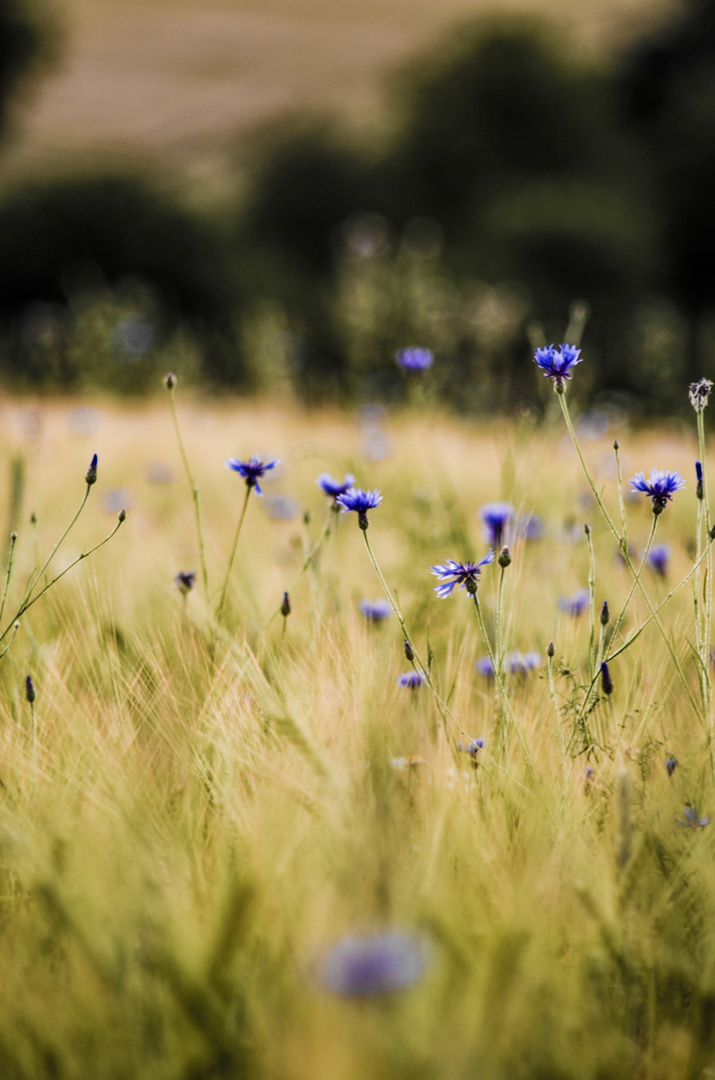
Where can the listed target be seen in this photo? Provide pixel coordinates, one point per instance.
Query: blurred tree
(30, 41)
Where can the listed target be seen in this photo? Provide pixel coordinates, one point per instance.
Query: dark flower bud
(699, 480)
(587, 529)
(363, 520)
(306, 517)
(170, 380)
(504, 559)
(13, 536)
(285, 606)
(606, 680)
(409, 653)
(616, 444)
(605, 614)
(122, 516)
(550, 649)
(90, 477)
(670, 764)
(30, 689)
(559, 386)
(33, 518)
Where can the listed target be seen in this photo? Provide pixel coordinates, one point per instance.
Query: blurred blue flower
(496, 518)
(520, 663)
(251, 470)
(281, 507)
(360, 966)
(412, 680)
(699, 479)
(116, 499)
(529, 527)
(472, 747)
(558, 364)
(375, 611)
(332, 487)
(575, 605)
(463, 574)
(659, 558)
(692, 820)
(670, 765)
(484, 667)
(414, 359)
(660, 488)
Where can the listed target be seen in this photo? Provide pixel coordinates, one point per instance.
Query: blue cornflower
(575, 605)
(485, 667)
(497, 519)
(660, 488)
(413, 680)
(670, 765)
(331, 487)
(375, 611)
(692, 820)
(520, 663)
(699, 480)
(472, 747)
(90, 477)
(463, 574)
(185, 581)
(359, 966)
(251, 470)
(659, 558)
(414, 359)
(360, 501)
(558, 364)
(529, 527)
(606, 680)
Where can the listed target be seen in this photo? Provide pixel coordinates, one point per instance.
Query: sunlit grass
(208, 811)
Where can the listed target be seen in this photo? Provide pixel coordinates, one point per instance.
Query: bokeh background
(272, 196)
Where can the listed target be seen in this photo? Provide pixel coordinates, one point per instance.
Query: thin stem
(705, 654)
(502, 691)
(13, 541)
(32, 581)
(559, 721)
(634, 583)
(621, 500)
(592, 596)
(626, 555)
(307, 561)
(194, 492)
(498, 619)
(233, 554)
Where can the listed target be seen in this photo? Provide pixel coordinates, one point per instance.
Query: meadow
(232, 842)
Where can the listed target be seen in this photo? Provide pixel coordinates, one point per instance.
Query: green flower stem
(559, 721)
(592, 604)
(233, 555)
(621, 500)
(506, 704)
(626, 555)
(194, 493)
(33, 579)
(498, 620)
(8, 573)
(705, 639)
(307, 561)
(621, 615)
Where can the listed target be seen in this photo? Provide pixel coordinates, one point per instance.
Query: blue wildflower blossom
(520, 663)
(576, 604)
(692, 820)
(529, 527)
(472, 747)
(659, 558)
(463, 574)
(699, 480)
(414, 359)
(332, 487)
(497, 519)
(251, 470)
(412, 680)
(670, 765)
(360, 501)
(375, 610)
(660, 488)
(360, 966)
(557, 364)
(485, 667)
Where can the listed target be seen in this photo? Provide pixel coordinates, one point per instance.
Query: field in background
(179, 83)
(195, 826)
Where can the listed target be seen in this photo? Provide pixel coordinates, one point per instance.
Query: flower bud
(550, 649)
(122, 516)
(409, 652)
(285, 606)
(605, 614)
(90, 477)
(30, 689)
(170, 380)
(504, 559)
(606, 680)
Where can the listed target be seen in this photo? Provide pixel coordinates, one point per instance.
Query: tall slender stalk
(707, 600)
(233, 554)
(170, 382)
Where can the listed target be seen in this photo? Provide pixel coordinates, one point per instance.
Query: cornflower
(692, 820)
(412, 680)
(659, 558)
(497, 519)
(670, 765)
(472, 747)
(360, 501)
(660, 488)
(414, 359)
(375, 611)
(575, 605)
(185, 581)
(332, 487)
(360, 966)
(558, 364)
(251, 470)
(463, 574)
